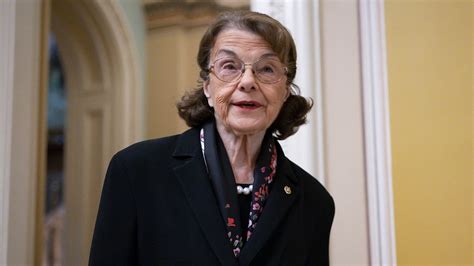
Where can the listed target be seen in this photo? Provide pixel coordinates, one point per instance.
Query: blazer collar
(187, 143)
(282, 197)
(192, 175)
(193, 178)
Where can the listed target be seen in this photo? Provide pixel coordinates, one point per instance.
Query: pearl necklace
(244, 190)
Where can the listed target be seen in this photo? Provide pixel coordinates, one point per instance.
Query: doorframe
(7, 48)
(22, 120)
(22, 85)
(108, 63)
(378, 158)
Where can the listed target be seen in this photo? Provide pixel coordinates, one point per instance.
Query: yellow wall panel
(430, 81)
(172, 69)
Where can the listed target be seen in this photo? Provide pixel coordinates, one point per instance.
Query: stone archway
(104, 114)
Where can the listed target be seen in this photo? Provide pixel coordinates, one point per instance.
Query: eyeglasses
(266, 70)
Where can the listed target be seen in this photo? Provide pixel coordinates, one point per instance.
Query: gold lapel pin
(287, 190)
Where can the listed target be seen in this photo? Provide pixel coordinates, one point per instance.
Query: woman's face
(246, 106)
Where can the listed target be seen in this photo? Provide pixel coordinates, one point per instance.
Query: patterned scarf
(222, 178)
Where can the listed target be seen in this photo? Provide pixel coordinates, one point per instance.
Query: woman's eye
(229, 66)
(267, 69)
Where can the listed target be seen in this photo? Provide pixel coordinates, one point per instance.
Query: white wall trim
(7, 51)
(377, 133)
(134, 97)
(302, 20)
(318, 95)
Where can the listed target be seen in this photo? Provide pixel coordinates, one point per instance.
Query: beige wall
(430, 80)
(343, 131)
(172, 69)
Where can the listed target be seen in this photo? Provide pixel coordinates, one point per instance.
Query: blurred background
(390, 135)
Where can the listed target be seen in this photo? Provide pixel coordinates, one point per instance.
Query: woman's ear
(207, 92)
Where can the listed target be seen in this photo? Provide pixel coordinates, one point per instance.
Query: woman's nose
(248, 80)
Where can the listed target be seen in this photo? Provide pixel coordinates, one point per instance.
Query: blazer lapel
(192, 175)
(284, 192)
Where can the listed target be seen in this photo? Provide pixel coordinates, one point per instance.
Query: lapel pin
(287, 190)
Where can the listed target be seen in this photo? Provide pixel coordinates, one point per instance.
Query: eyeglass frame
(242, 71)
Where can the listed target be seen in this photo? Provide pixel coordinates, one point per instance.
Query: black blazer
(158, 208)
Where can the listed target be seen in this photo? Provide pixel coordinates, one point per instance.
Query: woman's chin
(242, 129)
(242, 126)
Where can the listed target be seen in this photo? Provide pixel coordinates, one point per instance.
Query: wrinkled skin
(241, 128)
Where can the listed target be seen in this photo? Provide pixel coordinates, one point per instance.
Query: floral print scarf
(223, 181)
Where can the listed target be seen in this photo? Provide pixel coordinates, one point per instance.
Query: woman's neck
(242, 151)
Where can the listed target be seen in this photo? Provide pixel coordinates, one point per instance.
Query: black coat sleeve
(319, 252)
(114, 241)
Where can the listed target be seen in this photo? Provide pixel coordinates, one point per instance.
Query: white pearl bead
(245, 191)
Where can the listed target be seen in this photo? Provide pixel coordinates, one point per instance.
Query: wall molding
(134, 96)
(7, 51)
(161, 14)
(377, 133)
(105, 94)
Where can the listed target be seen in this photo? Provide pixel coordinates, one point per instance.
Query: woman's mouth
(247, 104)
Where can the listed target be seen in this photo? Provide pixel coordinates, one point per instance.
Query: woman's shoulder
(147, 147)
(312, 187)
(158, 148)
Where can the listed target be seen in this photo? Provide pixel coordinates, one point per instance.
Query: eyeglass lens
(266, 70)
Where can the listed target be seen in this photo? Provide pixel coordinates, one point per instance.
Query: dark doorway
(54, 207)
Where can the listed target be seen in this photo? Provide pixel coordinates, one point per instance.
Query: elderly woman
(223, 192)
